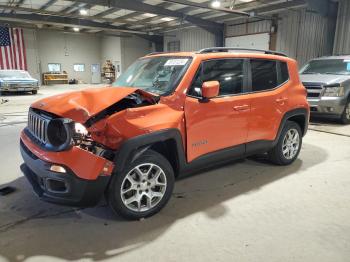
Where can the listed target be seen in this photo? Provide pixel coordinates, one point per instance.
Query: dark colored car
(327, 80)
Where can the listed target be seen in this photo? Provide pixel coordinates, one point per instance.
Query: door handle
(241, 108)
(281, 100)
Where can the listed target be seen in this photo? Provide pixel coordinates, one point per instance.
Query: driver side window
(229, 73)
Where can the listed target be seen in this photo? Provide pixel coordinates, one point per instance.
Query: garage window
(54, 67)
(79, 67)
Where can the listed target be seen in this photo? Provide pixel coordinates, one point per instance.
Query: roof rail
(156, 53)
(226, 49)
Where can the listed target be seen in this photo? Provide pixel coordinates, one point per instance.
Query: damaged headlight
(80, 129)
(333, 91)
(59, 134)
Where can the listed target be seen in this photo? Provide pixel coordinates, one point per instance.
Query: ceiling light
(216, 3)
(246, 1)
(167, 19)
(76, 29)
(149, 15)
(83, 11)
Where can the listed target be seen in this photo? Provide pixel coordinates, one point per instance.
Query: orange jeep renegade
(168, 114)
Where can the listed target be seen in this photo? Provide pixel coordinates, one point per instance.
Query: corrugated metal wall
(304, 35)
(191, 39)
(300, 34)
(240, 27)
(342, 35)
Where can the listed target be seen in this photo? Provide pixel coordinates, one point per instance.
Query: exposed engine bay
(81, 136)
(55, 133)
(136, 99)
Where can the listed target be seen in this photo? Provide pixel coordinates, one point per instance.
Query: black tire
(276, 155)
(345, 117)
(113, 194)
(34, 92)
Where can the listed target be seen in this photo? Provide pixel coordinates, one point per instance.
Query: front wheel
(143, 188)
(345, 117)
(288, 146)
(34, 92)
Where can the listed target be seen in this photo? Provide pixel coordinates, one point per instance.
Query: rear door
(269, 98)
(222, 122)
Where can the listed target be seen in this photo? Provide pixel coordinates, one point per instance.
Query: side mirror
(210, 89)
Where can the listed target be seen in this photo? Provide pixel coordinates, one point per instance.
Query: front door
(222, 122)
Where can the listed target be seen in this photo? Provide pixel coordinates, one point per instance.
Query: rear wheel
(143, 188)
(345, 117)
(289, 144)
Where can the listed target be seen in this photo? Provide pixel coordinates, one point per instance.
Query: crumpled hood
(81, 105)
(324, 78)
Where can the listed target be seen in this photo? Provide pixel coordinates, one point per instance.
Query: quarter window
(229, 73)
(284, 72)
(264, 74)
(268, 74)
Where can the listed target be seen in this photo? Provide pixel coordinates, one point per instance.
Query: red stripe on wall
(24, 51)
(14, 51)
(7, 64)
(19, 50)
(1, 60)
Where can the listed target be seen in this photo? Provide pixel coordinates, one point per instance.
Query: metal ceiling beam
(19, 3)
(57, 20)
(207, 6)
(269, 8)
(70, 7)
(139, 6)
(71, 15)
(48, 4)
(86, 6)
(106, 12)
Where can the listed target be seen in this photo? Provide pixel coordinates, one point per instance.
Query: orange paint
(217, 124)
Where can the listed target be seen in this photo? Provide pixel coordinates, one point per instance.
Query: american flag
(12, 49)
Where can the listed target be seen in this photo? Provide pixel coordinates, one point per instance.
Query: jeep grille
(37, 126)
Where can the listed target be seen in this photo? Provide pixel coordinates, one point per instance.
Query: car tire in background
(143, 188)
(34, 92)
(288, 146)
(345, 117)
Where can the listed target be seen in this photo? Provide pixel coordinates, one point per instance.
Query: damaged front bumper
(74, 186)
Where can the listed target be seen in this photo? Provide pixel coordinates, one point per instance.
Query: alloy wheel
(143, 187)
(291, 144)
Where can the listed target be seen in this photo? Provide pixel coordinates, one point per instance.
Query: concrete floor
(246, 211)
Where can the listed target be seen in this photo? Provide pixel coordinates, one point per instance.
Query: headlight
(333, 91)
(59, 134)
(80, 129)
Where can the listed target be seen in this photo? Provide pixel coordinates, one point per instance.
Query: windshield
(327, 66)
(158, 75)
(14, 74)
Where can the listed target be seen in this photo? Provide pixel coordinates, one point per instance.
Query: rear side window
(268, 74)
(229, 72)
(264, 74)
(284, 72)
